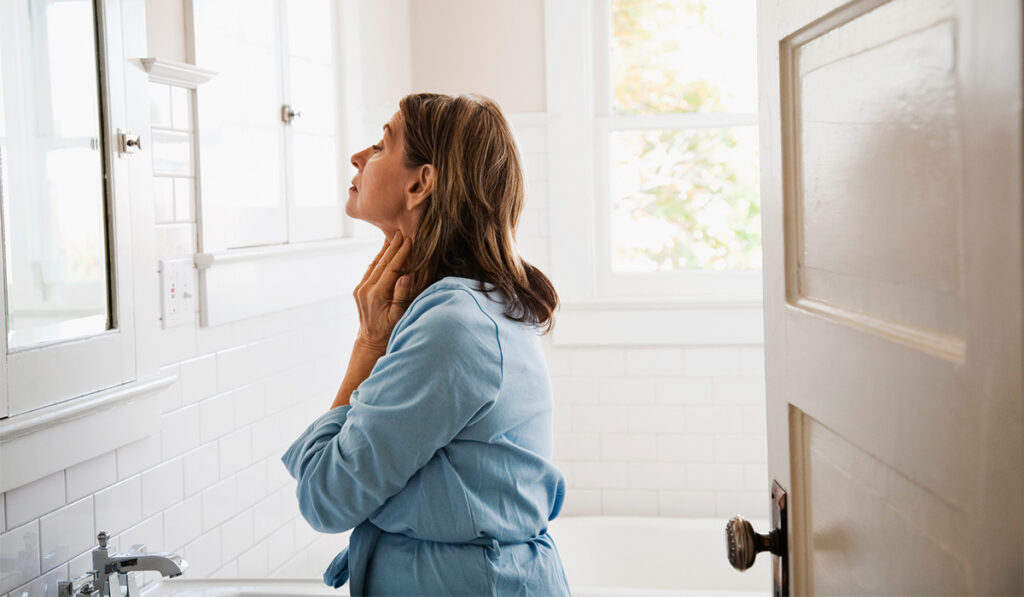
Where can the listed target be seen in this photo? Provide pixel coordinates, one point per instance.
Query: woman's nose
(359, 158)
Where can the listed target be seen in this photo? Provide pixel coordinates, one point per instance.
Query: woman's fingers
(382, 264)
(377, 294)
(390, 274)
(373, 264)
(402, 291)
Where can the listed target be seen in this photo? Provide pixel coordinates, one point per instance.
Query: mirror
(52, 158)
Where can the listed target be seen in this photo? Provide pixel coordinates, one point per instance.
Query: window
(672, 119)
(681, 128)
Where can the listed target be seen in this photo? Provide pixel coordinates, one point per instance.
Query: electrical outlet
(177, 294)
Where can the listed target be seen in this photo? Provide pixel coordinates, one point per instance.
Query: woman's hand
(377, 292)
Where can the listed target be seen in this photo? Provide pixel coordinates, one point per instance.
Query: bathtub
(653, 557)
(602, 555)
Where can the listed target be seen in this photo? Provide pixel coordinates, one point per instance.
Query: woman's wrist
(361, 362)
(368, 346)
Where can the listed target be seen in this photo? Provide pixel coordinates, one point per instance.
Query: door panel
(860, 511)
(875, 162)
(892, 226)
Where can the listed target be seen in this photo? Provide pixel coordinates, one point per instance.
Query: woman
(437, 447)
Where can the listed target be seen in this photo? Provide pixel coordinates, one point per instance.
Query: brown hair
(468, 224)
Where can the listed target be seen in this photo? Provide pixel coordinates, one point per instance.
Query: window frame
(580, 123)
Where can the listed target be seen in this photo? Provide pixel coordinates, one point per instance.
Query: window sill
(704, 321)
(233, 284)
(42, 442)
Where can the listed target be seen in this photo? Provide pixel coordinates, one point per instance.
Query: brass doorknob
(744, 544)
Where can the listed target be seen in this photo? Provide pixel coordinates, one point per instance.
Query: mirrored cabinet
(66, 259)
(70, 172)
(52, 181)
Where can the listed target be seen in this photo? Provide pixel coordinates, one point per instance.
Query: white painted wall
(492, 47)
(385, 50)
(669, 431)
(165, 29)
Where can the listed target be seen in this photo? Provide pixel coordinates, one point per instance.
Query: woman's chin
(353, 212)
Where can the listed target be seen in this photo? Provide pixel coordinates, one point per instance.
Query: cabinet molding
(47, 440)
(176, 73)
(241, 283)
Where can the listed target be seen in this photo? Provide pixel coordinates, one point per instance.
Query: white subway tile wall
(648, 431)
(119, 506)
(35, 499)
(66, 533)
(90, 476)
(649, 439)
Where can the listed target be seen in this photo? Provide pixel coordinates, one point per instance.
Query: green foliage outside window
(684, 199)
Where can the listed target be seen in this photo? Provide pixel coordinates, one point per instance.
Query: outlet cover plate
(177, 292)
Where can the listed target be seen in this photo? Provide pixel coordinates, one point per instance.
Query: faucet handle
(82, 585)
(102, 538)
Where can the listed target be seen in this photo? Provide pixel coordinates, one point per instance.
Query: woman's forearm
(360, 364)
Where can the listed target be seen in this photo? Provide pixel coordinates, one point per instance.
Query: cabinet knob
(128, 143)
(288, 115)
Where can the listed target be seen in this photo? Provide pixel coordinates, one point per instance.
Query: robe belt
(363, 541)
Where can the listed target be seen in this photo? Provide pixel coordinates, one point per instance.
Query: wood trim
(54, 438)
(208, 260)
(176, 73)
(242, 283)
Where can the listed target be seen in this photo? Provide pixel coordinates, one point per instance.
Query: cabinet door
(65, 192)
(316, 191)
(240, 131)
(268, 123)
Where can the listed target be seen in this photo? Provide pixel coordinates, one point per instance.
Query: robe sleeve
(441, 373)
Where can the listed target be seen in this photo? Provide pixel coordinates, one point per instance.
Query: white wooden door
(891, 148)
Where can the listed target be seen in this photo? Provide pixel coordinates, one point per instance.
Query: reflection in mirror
(51, 172)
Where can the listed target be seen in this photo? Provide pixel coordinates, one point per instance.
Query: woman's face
(379, 192)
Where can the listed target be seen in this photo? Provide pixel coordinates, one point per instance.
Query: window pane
(671, 56)
(685, 199)
(51, 179)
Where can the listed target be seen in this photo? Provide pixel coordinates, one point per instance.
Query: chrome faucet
(98, 582)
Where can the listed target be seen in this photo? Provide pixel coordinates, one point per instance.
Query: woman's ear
(420, 186)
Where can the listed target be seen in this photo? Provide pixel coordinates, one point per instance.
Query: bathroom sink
(240, 587)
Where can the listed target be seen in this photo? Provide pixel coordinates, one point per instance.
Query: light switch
(177, 292)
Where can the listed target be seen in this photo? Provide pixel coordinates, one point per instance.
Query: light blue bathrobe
(442, 462)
